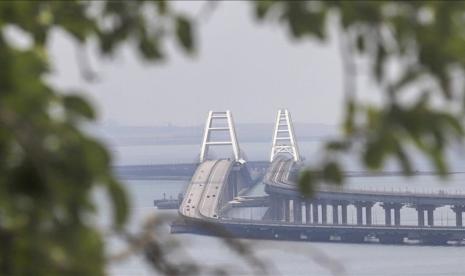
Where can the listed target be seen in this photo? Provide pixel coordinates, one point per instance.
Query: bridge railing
(393, 191)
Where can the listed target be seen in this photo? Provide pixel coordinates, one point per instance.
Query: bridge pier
(429, 214)
(368, 215)
(458, 218)
(308, 216)
(388, 207)
(287, 210)
(335, 205)
(344, 213)
(315, 219)
(323, 213)
(458, 209)
(387, 216)
(273, 208)
(359, 207)
(421, 216)
(277, 208)
(335, 213)
(281, 203)
(397, 215)
(297, 209)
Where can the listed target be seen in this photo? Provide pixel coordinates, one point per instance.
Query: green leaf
(262, 7)
(439, 162)
(337, 145)
(404, 161)
(381, 55)
(162, 6)
(119, 201)
(307, 183)
(150, 48)
(454, 123)
(184, 33)
(407, 78)
(332, 173)
(76, 105)
(305, 21)
(374, 155)
(349, 120)
(360, 43)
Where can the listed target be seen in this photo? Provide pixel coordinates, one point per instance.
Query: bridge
(219, 185)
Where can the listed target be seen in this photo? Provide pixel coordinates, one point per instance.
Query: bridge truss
(217, 122)
(283, 137)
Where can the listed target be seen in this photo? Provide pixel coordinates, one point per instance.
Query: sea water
(293, 258)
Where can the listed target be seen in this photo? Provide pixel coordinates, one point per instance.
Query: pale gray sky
(250, 68)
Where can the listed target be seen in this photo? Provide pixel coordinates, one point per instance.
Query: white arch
(227, 124)
(283, 137)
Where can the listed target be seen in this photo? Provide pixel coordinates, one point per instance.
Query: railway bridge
(217, 183)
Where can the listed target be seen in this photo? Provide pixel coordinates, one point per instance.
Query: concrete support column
(335, 213)
(324, 214)
(308, 210)
(315, 212)
(368, 214)
(458, 214)
(274, 207)
(458, 218)
(429, 212)
(359, 214)
(344, 213)
(388, 207)
(421, 216)
(297, 210)
(287, 211)
(282, 203)
(360, 206)
(387, 215)
(430, 216)
(397, 215)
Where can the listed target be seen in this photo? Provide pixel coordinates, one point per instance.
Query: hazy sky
(242, 65)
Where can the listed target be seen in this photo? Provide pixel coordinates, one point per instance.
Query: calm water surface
(295, 258)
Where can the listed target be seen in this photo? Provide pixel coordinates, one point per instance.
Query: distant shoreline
(176, 135)
(154, 141)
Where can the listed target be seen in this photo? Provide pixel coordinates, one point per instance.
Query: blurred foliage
(49, 167)
(423, 43)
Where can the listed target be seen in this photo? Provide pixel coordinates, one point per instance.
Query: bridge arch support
(283, 137)
(220, 122)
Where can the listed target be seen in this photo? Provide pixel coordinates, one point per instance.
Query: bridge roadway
(205, 190)
(277, 181)
(203, 201)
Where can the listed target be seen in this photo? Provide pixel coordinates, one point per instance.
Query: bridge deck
(202, 202)
(277, 182)
(204, 191)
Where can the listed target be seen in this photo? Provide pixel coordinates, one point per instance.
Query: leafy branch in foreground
(415, 56)
(49, 168)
